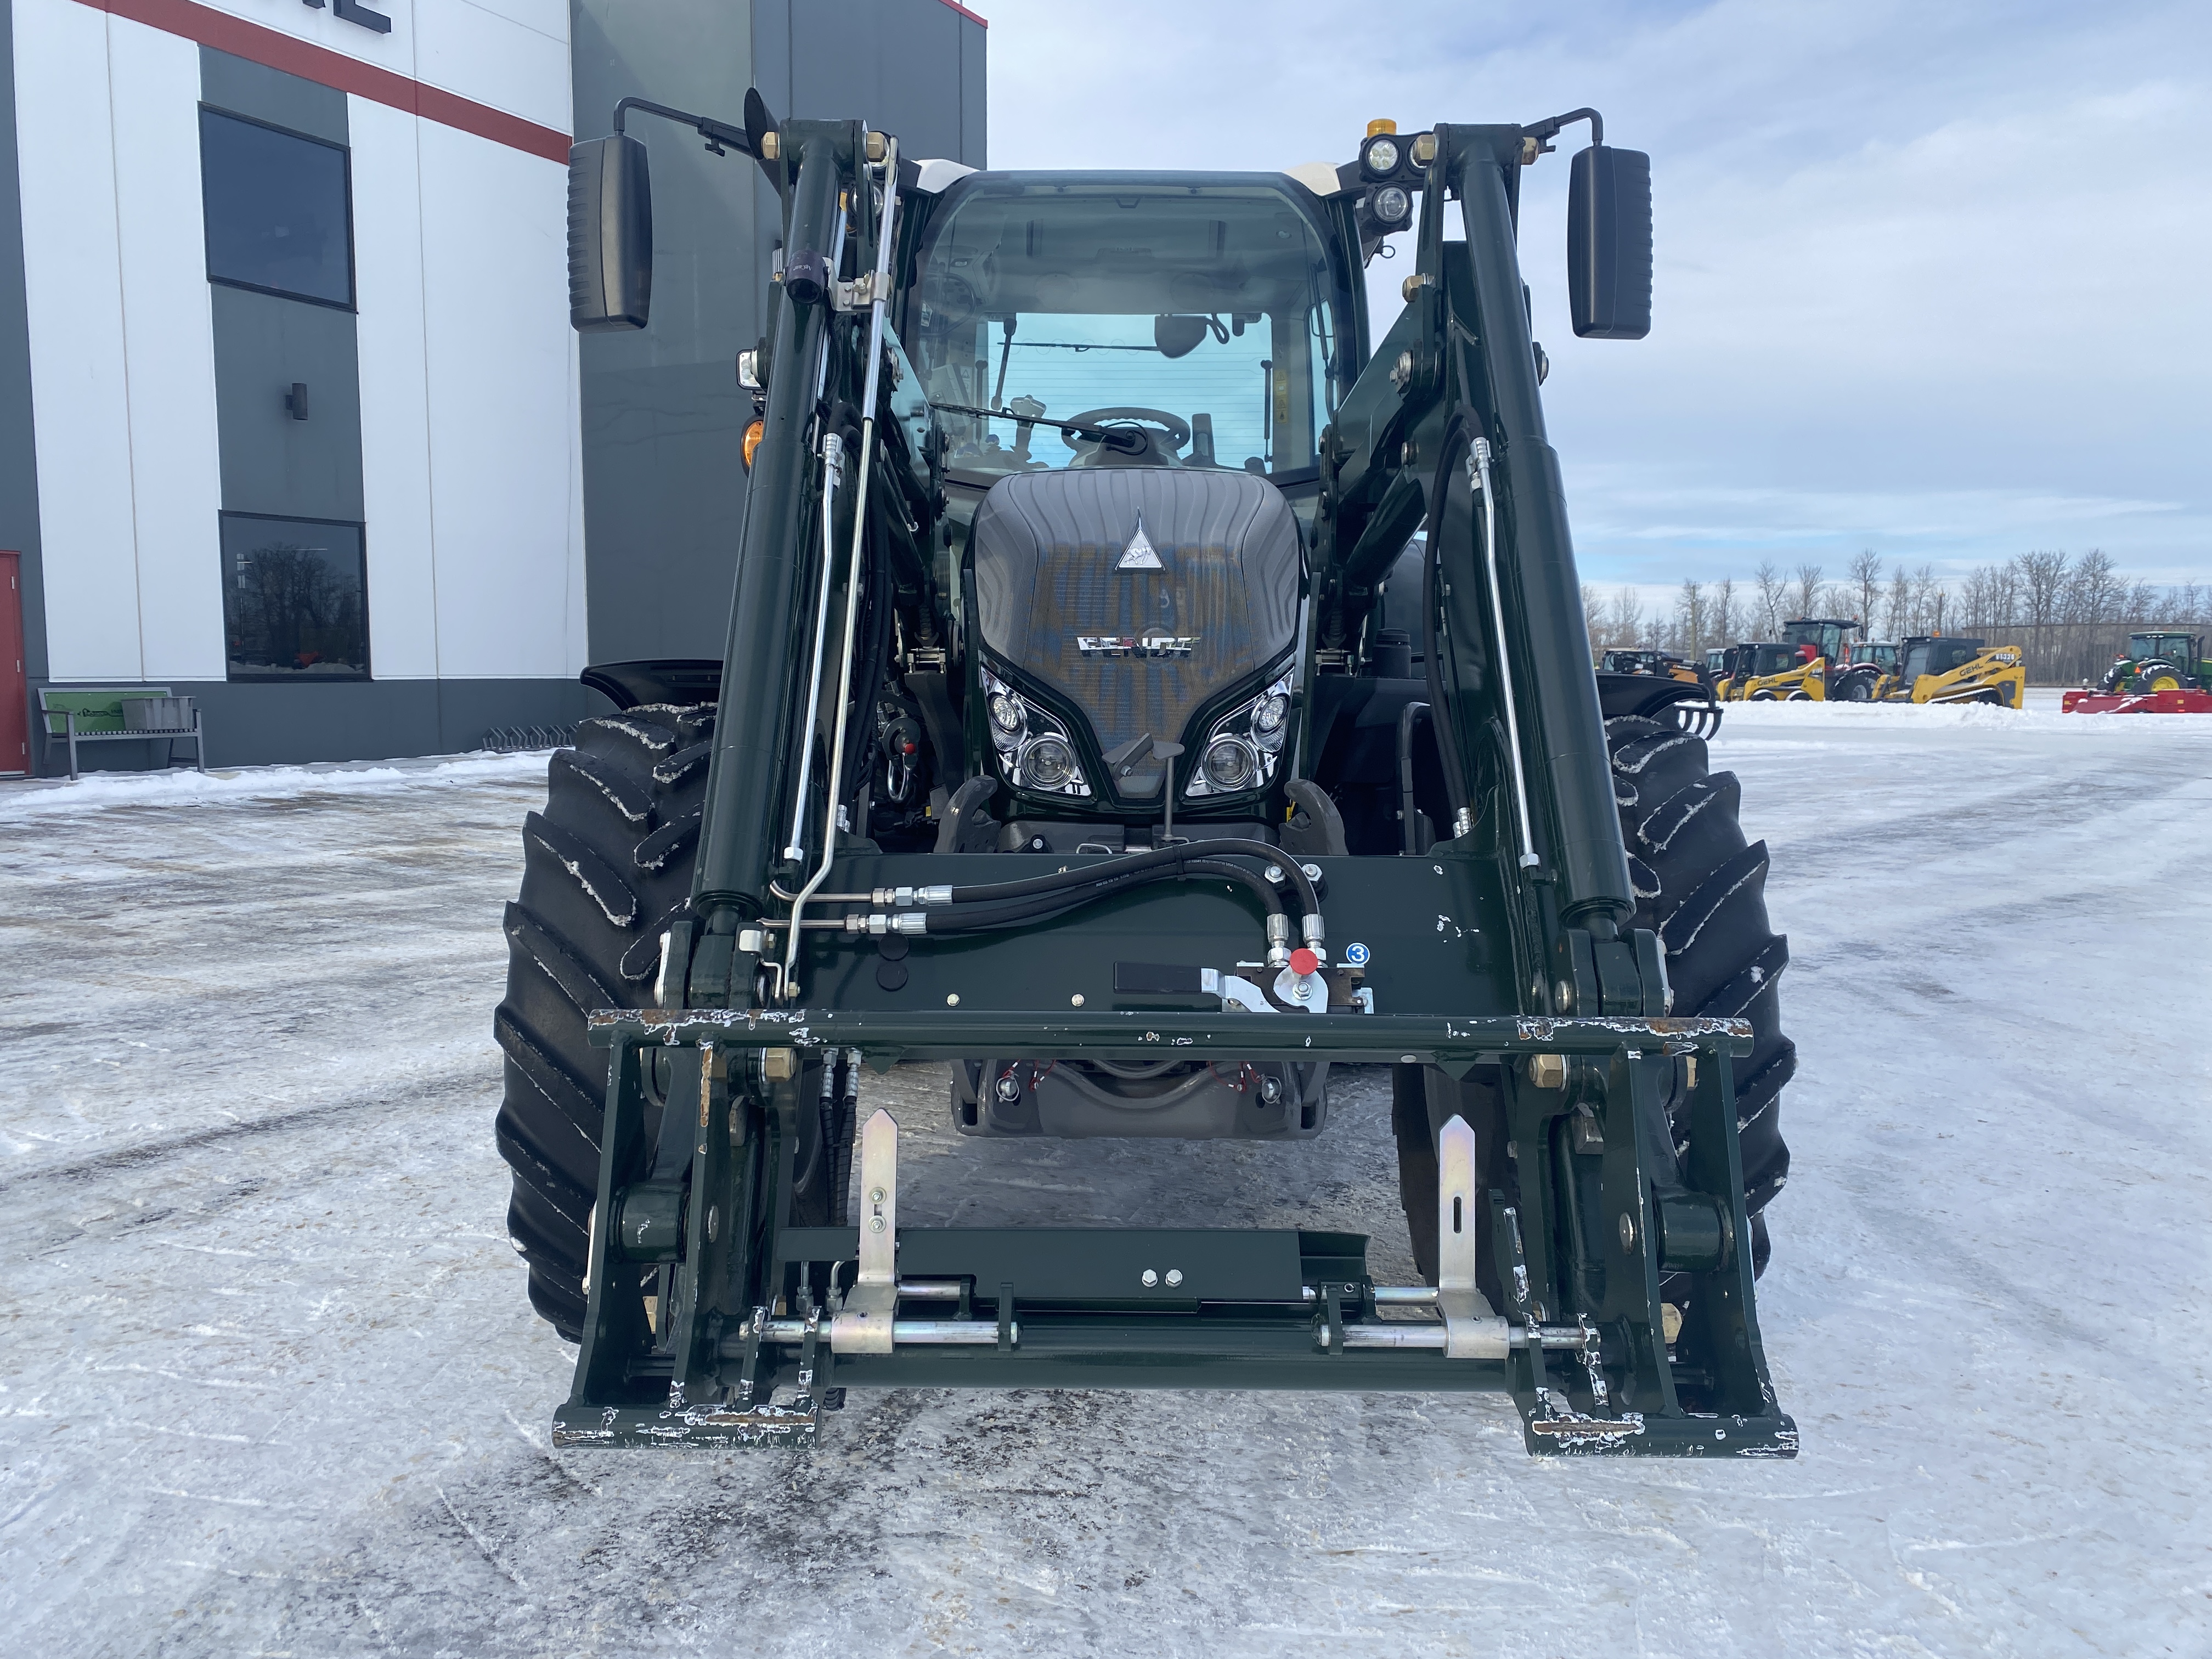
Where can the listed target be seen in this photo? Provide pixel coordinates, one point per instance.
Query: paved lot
(268, 1385)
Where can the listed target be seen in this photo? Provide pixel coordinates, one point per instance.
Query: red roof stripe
(209, 28)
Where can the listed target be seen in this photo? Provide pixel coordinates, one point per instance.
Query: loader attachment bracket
(756, 1322)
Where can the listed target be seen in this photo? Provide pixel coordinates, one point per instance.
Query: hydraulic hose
(979, 918)
(1309, 897)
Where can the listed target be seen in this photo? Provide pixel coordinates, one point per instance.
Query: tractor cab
(1876, 653)
(1935, 653)
(1760, 661)
(2169, 647)
(1828, 636)
(1130, 379)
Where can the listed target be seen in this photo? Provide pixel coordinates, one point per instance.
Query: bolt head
(875, 1194)
(1628, 1234)
(1174, 1276)
(875, 1224)
(953, 998)
(1149, 1278)
(1076, 1002)
(1548, 1071)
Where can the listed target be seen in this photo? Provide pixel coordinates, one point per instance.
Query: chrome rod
(1478, 468)
(928, 1290)
(865, 463)
(833, 464)
(1410, 1334)
(910, 1332)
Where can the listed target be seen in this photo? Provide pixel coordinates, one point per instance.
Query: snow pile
(99, 790)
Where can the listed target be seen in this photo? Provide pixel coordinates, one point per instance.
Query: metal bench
(103, 713)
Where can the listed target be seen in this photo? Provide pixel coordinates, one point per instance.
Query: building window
(278, 211)
(294, 599)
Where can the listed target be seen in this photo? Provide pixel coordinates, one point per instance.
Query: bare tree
(1691, 618)
(1593, 617)
(1624, 619)
(1726, 612)
(1806, 597)
(1866, 575)
(1772, 599)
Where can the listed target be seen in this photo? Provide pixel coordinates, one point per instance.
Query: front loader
(1155, 702)
(1949, 669)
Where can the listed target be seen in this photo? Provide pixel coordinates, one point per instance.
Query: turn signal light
(752, 441)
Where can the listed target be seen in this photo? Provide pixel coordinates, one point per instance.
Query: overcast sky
(1931, 279)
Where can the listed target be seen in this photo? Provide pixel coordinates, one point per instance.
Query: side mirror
(610, 235)
(1609, 243)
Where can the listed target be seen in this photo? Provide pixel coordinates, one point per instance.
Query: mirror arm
(1543, 132)
(716, 133)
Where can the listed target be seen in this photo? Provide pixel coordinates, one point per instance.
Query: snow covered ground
(268, 1385)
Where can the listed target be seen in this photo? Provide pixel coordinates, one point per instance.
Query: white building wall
(73, 288)
(168, 341)
(470, 451)
(502, 414)
(395, 424)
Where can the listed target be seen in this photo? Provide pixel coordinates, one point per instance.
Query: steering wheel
(1178, 429)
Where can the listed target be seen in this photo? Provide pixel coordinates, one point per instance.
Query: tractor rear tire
(606, 870)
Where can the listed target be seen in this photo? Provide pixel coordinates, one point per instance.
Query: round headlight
(1007, 713)
(1229, 764)
(1392, 205)
(1048, 763)
(1382, 156)
(1269, 714)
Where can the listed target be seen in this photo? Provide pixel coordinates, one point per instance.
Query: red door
(15, 691)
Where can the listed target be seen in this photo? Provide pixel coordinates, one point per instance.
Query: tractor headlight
(1048, 763)
(1269, 716)
(1245, 746)
(1230, 764)
(1034, 749)
(1392, 205)
(1381, 155)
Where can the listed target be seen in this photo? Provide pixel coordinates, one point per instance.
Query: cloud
(1929, 279)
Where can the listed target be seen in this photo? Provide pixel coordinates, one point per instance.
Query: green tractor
(1069, 734)
(2160, 662)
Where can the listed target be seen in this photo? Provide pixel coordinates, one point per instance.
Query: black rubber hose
(1129, 864)
(979, 918)
(1038, 907)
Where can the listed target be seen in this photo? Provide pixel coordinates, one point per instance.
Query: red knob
(1304, 961)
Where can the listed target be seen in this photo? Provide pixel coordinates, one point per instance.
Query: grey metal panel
(272, 463)
(271, 96)
(893, 63)
(663, 415)
(19, 463)
(975, 100)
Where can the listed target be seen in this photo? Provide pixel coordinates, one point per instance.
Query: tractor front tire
(1703, 891)
(606, 870)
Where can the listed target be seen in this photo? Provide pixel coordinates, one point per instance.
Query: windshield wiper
(1129, 439)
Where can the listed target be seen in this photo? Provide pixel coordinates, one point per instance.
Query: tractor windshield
(1213, 316)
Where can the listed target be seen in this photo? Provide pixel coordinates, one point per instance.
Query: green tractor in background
(2160, 662)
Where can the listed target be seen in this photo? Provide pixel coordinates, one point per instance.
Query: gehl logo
(1132, 645)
